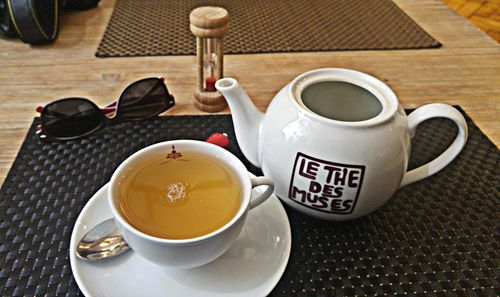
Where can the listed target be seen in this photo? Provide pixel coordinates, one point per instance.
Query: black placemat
(433, 238)
(161, 27)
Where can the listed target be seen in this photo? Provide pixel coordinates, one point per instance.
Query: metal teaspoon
(102, 241)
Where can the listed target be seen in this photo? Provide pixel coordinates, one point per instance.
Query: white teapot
(335, 142)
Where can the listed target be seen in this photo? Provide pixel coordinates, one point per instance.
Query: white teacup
(192, 252)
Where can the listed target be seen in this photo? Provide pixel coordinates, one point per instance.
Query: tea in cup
(182, 203)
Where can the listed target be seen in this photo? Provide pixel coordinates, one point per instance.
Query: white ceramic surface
(192, 252)
(251, 267)
(303, 152)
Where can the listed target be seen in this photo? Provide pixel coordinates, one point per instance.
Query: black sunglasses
(73, 118)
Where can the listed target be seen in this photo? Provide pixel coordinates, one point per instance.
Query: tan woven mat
(161, 27)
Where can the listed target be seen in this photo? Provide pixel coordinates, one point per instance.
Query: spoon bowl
(101, 242)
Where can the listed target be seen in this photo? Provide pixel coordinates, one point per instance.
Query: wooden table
(465, 71)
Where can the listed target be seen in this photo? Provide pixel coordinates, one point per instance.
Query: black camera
(36, 21)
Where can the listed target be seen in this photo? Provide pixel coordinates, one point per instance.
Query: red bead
(219, 139)
(210, 84)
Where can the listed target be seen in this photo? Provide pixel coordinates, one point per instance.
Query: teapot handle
(436, 110)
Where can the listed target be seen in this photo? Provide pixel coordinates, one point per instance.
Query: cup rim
(230, 160)
(379, 89)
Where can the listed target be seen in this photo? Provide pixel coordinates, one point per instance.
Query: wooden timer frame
(209, 24)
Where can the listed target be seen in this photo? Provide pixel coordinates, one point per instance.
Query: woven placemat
(161, 27)
(433, 238)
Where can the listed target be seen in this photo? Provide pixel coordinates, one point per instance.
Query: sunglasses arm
(107, 109)
(112, 106)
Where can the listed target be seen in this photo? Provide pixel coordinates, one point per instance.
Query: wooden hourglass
(209, 24)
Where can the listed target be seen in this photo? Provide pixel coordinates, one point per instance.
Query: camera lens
(3, 15)
(6, 27)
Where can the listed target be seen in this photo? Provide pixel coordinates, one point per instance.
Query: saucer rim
(103, 191)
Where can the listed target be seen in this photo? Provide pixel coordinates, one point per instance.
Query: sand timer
(209, 24)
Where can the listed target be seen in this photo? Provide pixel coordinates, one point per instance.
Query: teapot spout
(246, 117)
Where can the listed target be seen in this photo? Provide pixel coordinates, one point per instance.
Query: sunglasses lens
(70, 118)
(144, 99)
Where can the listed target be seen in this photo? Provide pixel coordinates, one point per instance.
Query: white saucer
(251, 267)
